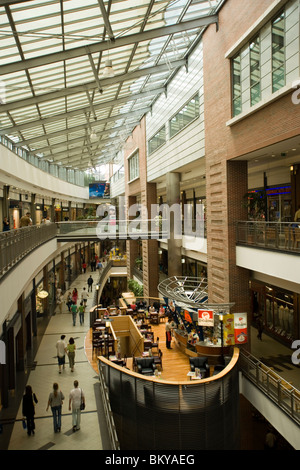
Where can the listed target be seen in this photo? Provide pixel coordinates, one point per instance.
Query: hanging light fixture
(108, 70)
(93, 134)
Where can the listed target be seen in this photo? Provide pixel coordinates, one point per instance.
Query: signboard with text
(205, 317)
(240, 328)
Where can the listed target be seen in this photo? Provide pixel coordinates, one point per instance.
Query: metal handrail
(277, 389)
(17, 243)
(279, 236)
(112, 432)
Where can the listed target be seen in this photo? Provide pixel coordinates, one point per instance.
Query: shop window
(278, 52)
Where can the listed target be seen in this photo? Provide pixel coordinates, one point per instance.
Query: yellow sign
(228, 329)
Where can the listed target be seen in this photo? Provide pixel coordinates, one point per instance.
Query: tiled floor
(89, 437)
(92, 435)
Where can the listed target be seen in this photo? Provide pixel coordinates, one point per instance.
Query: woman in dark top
(29, 399)
(5, 225)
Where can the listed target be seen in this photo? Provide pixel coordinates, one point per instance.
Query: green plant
(139, 262)
(136, 288)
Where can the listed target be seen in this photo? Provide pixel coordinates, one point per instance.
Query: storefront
(15, 208)
(278, 310)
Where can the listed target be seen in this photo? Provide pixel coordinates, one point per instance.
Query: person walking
(71, 353)
(55, 401)
(59, 301)
(69, 301)
(84, 296)
(74, 311)
(76, 403)
(260, 327)
(75, 295)
(168, 329)
(61, 348)
(28, 408)
(90, 283)
(84, 266)
(81, 310)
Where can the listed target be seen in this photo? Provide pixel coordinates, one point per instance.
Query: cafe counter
(200, 348)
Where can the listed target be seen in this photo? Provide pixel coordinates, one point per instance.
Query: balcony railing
(130, 229)
(15, 244)
(281, 236)
(271, 384)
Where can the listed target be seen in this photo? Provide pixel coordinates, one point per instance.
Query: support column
(53, 210)
(21, 336)
(150, 248)
(33, 210)
(5, 202)
(174, 245)
(227, 183)
(132, 246)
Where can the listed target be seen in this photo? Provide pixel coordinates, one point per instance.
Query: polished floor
(92, 435)
(41, 377)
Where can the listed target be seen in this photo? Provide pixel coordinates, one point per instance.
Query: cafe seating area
(135, 337)
(200, 363)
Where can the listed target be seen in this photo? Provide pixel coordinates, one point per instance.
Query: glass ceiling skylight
(53, 53)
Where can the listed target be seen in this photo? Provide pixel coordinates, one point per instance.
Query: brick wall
(227, 179)
(146, 194)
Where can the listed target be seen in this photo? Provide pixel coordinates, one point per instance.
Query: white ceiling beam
(90, 86)
(71, 130)
(76, 112)
(129, 39)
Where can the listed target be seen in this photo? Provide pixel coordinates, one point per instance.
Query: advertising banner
(240, 328)
(205, 317)
(187, 317)
(228, 332)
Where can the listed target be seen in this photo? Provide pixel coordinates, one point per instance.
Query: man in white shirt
(84, 296)
(61, 348)
(76, 397)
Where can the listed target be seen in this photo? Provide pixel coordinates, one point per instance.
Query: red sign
(240, 328)
(205, 317)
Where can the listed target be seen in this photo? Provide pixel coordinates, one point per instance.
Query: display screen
(99, 190)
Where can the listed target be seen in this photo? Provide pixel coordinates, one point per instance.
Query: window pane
(255, 71)
(236, 85)
(157, 140)
(133, 166)
(278, 53)
(186, 115)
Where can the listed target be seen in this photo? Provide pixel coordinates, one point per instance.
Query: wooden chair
(288, 237)
(109, 347)
(158, 359)
(296, 237)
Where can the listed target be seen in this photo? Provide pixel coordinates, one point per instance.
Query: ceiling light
(93, 134)
(108, 70)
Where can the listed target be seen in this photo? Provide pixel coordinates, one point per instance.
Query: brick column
(150, 248)
(226, 186)
(174, 245)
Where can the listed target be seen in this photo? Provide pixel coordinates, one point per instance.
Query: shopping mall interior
(153, 149)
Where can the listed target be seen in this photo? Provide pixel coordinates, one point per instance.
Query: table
(154, 318)
(193, 376)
